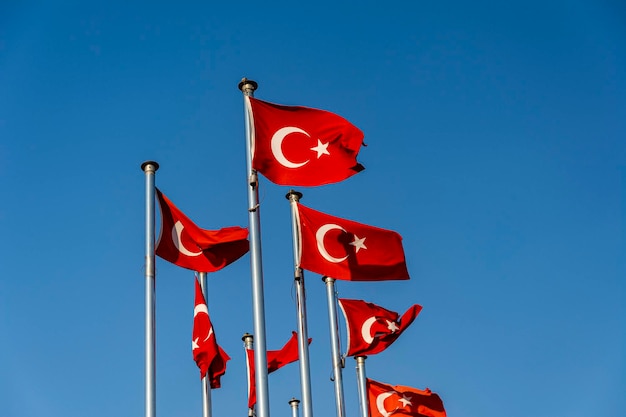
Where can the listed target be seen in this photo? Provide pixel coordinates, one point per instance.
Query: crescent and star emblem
(366, 329)
(177, 231)
(277, 143)
(358, 243)
(200, 308)
(380, 403)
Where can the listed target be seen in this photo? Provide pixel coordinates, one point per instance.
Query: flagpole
(248, 343)
(331, 296)
(247, 87)
(362, 384)
(294, 407)
(150, 168)
(206, 385)
(303, 337)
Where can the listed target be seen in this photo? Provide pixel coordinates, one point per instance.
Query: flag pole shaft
(303, 337)
(362, 384)
(334, 345)
(149, 168)
(206, 385)
(247, 87)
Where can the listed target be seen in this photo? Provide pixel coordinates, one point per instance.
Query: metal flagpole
(294, 407)
(303, 337)
(206, 384)
(362, 383)
(248, 343)
(247, 87)
(150, 168)
(334, 344)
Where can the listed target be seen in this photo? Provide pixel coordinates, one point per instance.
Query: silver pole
(294, 407)
(334, 345)
(362, 384)
(206, 384)
(248, 343)
(247, 87)
(303, 337)
(150, 168)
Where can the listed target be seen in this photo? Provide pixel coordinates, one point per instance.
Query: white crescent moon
(202, 308)
(277, 142)
(380, 403)
(319, 237)
(177, 230)
(366, 330)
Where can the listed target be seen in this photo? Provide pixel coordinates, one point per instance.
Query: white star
(194, 344)
(321, 149)
(405, 401)
(391, 325)
(358, 243)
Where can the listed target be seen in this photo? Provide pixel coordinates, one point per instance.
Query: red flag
(209, 356)
(371, 328)
(295, 145)
(183, 243)
(276, 359)
(386, 400)
(343, 249)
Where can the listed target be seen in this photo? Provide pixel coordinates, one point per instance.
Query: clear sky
(496, 138)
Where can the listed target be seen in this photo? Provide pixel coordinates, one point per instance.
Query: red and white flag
(387, 400)
(301, 146)
(347, 250)
(183, 243)
(371, 328)
(209, 356)
(276, 359)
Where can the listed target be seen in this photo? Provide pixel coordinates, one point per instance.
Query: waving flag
(371, 328)
(301, 146)
(387, 400)
(209, 356)
(347, 250)
(276, 359)
(183, 243)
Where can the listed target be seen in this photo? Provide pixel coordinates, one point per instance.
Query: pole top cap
(247, 336)
(294, 401)
(153, 163)
(253, 84)
(293, 195)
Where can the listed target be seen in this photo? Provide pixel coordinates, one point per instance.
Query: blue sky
(496, 147)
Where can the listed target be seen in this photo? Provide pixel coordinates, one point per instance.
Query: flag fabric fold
(183, 243)
(302, 146)
(371, 328)
(387, 400)
(347, 250)
(276, 359)
(208, 355)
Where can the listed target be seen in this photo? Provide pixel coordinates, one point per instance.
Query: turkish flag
(209, 356)
(301, 146)
(347, 250)
(371, 328)
(183, 243)
(387, 400)
(276, 359)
